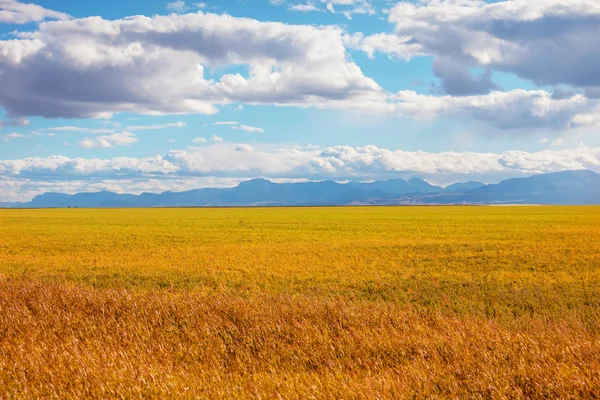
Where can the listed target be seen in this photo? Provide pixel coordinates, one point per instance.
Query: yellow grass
(300, 303)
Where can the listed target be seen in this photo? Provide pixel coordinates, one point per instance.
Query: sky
(149, 96)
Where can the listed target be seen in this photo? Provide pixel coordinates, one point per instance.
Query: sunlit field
(381, 302)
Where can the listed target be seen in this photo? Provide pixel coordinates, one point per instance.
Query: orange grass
(300, 303)
(74, 342)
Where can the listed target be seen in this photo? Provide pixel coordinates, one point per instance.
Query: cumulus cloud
(103, 142)
(548, 42)
(505, 110)
(15, 12)
(157, 66)
(199, 140)
(216, 139)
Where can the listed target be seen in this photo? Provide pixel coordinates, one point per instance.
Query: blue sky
(154, 95)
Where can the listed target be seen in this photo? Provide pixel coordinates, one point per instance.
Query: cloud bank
(236, 162)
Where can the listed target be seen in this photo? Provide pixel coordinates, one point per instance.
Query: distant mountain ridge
(568, 187)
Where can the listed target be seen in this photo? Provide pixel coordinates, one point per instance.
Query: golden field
(352, 302)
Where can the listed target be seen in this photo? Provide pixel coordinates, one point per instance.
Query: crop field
(307, 303)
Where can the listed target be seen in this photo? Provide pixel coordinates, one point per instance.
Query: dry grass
(67, 341)
(300, 303)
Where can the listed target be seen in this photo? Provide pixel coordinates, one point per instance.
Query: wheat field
(349, 302)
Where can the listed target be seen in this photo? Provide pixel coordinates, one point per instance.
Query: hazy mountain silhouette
(400, 186)
(569, 187)
(464, 187)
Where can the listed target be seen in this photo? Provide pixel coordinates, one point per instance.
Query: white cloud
(393, 45)
(157, 127)
(548, 42)
(586, 119)
(13, 135)
(238, 126)
(15, 12)
(216, 139)
(38, 133)
(103, 142)
(225, 123)
(116, 125)
(371, 162)
(359, 7)
(346, 162)
(307, 7)
(346, 7)
(180, 6)
(248, 128)
(157, 66)
(199, 140)
(337, 162)
(176, 6)
(81, 129)
(505, 110)
(70, 168)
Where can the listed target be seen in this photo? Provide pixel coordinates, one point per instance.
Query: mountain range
(568, 187)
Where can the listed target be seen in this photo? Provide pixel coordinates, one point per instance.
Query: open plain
(349, 302)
